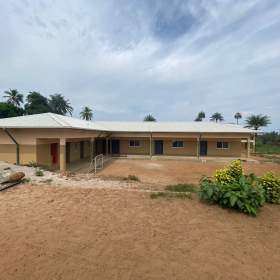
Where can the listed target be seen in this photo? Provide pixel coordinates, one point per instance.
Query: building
(56, 141)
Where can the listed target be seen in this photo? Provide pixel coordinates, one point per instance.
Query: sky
(129, 58)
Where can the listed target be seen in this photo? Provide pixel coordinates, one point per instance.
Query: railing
(97, 163)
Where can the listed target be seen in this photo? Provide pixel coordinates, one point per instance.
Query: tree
(217, 117)
(86, 114)
(237, 116)
(150, 118)
(257, 121)
(200, 116)
(13, 97)
(8, 110)
(60, 105)
(36, 104)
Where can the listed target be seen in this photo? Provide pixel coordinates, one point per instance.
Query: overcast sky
(128, 58)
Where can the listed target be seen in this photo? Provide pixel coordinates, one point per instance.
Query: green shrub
(39, 172)
(229, 174)
(245, 195)
(271, 185)
(132, 178)
(181, 188)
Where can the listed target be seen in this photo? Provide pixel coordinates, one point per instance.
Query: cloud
(128, 58)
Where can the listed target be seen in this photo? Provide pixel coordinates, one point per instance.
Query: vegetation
(149, 118)
(60, 105)
(35, 103)
(39, 173)
(271, 185)
(217, 117)
(237, 116)
(164, 194)
(181, 188)
(86, 114)
(8, 110)
(268, 143)
(13, 97)
(132, 178)
(230, 188)
(257, 121)
(200, 116)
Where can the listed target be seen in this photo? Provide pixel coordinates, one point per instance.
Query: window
(177, 144)
(134, 143)
(222, 145)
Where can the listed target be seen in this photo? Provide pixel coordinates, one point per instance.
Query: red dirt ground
(75, 233)
(163, 172)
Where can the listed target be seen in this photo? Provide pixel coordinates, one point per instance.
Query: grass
(267, 149)
(165, 194)
(181, 188)
(182, 191)
(132, 178)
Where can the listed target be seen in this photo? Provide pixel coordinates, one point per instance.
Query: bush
(271, 185)
(229, 174)
(245, 195)
(39, 172)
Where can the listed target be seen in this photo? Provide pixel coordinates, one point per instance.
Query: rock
(13, 177)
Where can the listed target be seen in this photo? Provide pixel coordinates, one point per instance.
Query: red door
(54, 153)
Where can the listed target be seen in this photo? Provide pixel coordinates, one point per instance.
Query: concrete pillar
(62, 154)
(151, 145)
(91, 148)
(107, 146)
(248, 147)
(198, 147)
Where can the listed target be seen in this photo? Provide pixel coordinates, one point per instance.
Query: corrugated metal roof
(200, 127)
(50, 120)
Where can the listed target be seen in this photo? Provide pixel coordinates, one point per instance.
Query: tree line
(252, 121)
(36, 103)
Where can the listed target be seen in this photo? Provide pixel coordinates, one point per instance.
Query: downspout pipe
(16, 143)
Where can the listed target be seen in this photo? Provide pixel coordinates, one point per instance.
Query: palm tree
(150, 118)
(237, 116)
(13, 97)
(86, 114)
(60, 105)
(257, 121)
(200, 116)
(217, 117)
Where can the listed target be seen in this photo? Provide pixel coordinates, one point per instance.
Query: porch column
(62, 154)
(198, 147)
(107, 146)
(91, 148)
(248, 147)
(151, 145)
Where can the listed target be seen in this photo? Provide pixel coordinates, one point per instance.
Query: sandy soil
(165, 172)
(78, 233)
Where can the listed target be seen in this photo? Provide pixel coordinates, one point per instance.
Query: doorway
(203, 148)
(115, 146)
(54, 153)
(158, 147)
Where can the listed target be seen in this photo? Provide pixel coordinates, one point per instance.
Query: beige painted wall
(234, 149)
(144, 148)
(189, 149)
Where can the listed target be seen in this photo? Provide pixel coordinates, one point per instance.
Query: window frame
(134, 141)
(222, 147)
(177, 147)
